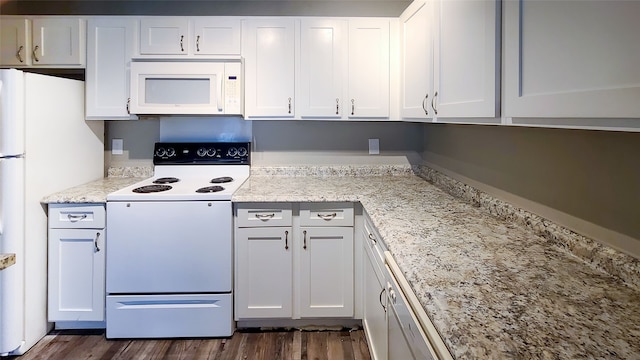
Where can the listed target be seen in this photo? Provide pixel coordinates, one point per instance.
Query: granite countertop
(92, 192)
(492, 288)
(7, 260)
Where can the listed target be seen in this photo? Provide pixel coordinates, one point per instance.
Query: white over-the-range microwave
(186, 87)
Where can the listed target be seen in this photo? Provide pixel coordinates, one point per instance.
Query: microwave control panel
(233, 88)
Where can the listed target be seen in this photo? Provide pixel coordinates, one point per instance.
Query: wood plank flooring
(244, 345)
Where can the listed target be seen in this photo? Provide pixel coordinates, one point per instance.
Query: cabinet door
(375, 315)
(416, 61)
(325, 282)
(466, 52)
(15, 45)
(323, 68)
(110, 45)
(572, 59)
(269, 50)
(368, 68)
(58, 41)
(164, 35)
(263, 287)
(216, 36)
(76, 275)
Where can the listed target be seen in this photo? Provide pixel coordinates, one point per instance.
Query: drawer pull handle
(34, 53)
(327, 216)
(76, 218)
(286, 240)
(19, 53)
(380, 299)
(182, 43)
(304, 239)
(265, 216)
(95, 242)
(373, 238)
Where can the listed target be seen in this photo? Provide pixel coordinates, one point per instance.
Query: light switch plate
(117, 147)
(374, 146)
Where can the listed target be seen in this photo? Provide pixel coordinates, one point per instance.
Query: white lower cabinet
(76, 262)
(292, 271)
(374, 319)
(263, 273)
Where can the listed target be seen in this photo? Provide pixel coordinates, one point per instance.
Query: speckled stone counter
(493, 289)
(92, 192)
(7, 260)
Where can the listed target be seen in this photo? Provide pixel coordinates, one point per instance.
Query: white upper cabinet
(110, 45)
(164, 35)
(369, 72)
(572, 59)
(323, 58)
(466, 56)
(43, 42)
(216, 36)
(190, 36)
(416, 61)
(268, 47)
(15, 42)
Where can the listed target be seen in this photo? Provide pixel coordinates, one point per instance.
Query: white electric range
(169, 252)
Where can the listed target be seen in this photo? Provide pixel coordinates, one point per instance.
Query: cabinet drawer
(267, 214)
(76, 216)
(326, 214)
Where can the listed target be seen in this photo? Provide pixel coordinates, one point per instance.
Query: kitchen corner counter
(493, 288)
(7, 260)
(92, 192)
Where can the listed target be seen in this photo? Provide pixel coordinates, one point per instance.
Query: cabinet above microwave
(186, 88)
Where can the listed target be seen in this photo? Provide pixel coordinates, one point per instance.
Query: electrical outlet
(374, 146)
(117, 147)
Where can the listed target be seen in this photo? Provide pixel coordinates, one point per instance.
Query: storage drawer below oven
(165, 316)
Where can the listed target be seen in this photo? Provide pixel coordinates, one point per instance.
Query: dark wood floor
(244, 345)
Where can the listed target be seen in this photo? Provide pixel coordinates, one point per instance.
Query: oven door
(169, 247)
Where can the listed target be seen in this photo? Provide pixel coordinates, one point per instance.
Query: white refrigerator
(45, 146)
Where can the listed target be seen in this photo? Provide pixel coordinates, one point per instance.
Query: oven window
(178, 91)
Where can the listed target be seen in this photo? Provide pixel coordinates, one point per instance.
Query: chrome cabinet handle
(95, 242)
(433, 106)
(286, 240)
(181, 43)
(128, 104)
(35, 56)
(380, 299)
(337, 106)
(373, 238)
(304, 239)
(327, 216)
(289, 105)
(353, 106)
(265, 216)
(198, 43)
(425, 108)
(75, 218)
(18, 54)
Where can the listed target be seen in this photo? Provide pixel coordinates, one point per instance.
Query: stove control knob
(211, 152)
(171, 152)
(161, 152)
(242, 151)
(201, 152)
(232, 152)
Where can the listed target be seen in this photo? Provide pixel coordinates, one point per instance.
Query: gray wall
(286, 142)
(592, 175)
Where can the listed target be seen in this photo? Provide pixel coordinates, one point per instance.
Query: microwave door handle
(220, 93)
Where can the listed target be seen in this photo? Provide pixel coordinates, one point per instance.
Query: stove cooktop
(191, 171)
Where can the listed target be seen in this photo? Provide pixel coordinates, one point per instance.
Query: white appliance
(169, 258)
(186, 87)
(45, 147)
